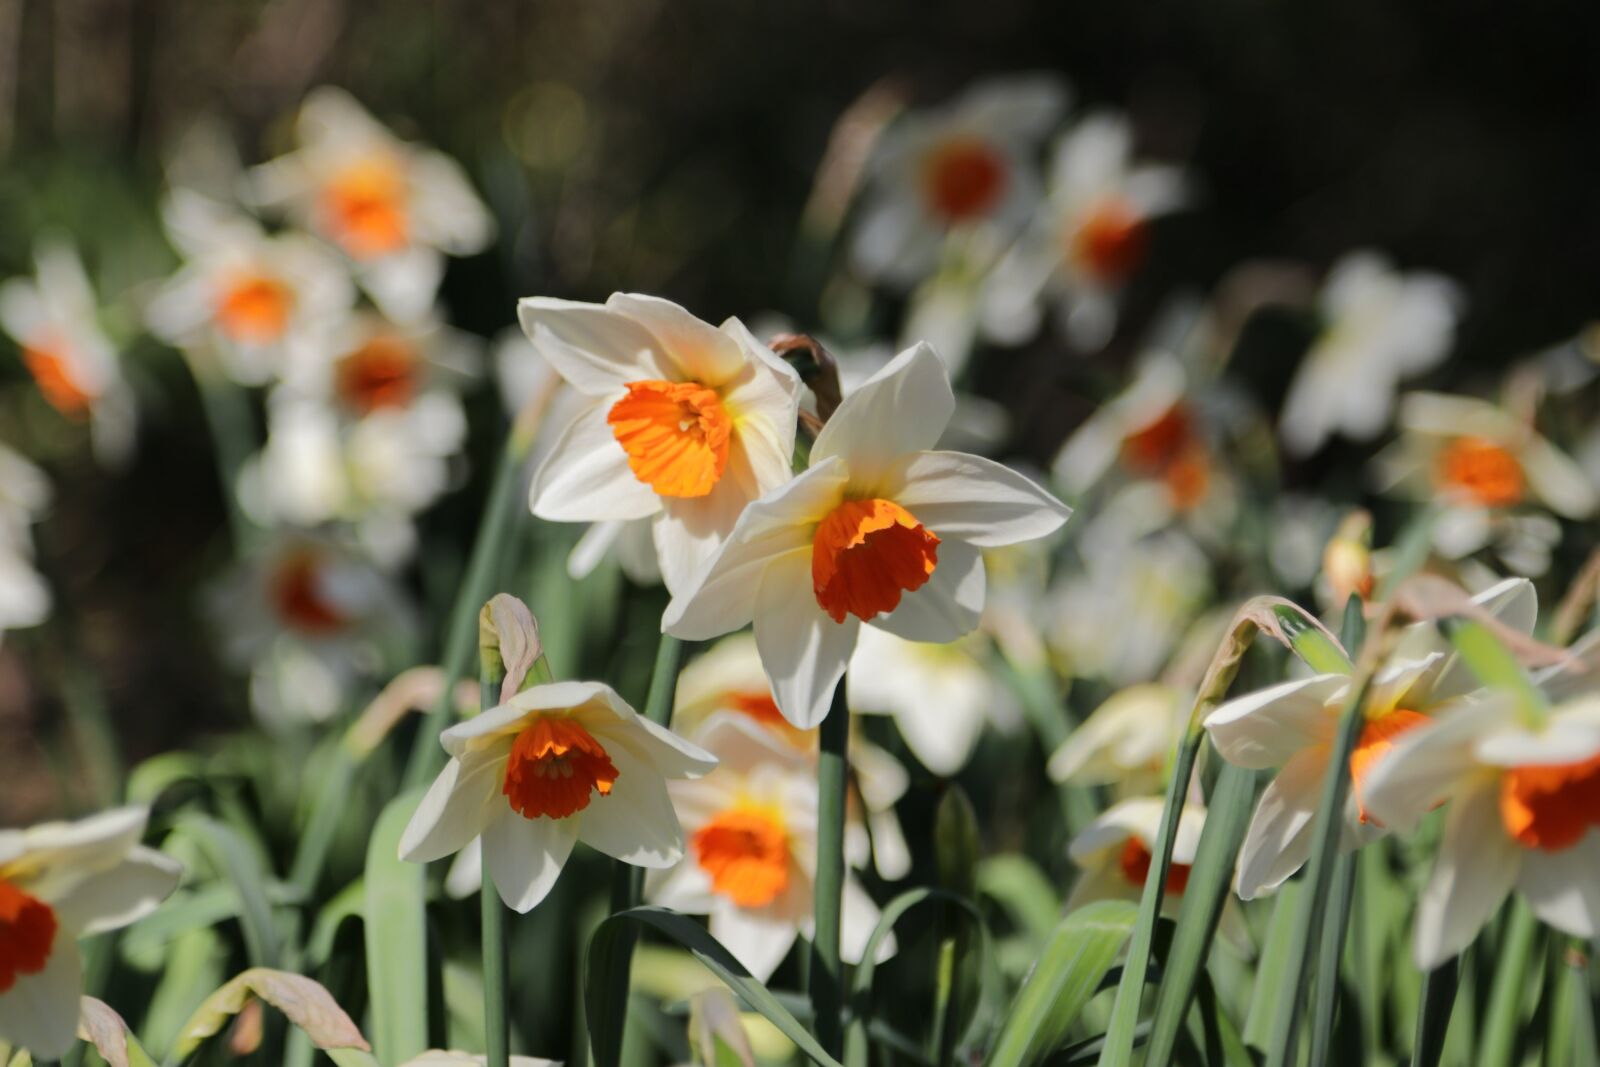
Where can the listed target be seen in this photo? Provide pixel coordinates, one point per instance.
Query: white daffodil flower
(60, 881)
(1088, 241)
(940, 696)
(752, 827)
(1114, 852)
(394, 208)
(686, 423)
(728, 678)
(256, 301)
(557, 764)
(1126, 740)
(1378, 327)
(876, 530)
(1524, 796)
(1292, 726)
(1491, 474)
(53, 318)
(965, 166)
(24, 494)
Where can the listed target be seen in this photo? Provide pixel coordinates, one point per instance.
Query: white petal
(40, 1012)
(636, 823)
(803, 650)
(592, 547)
(758, 940)
(904, 407)
(525, 856)
(457, 807)
(1476, 867)
(698, 350)
(858, 917)
(113, 898)
(949, 603)
(403, 284)
(1268, 727)
(974, 499)
(1557, 480)
(596, 349)
(780, 524)
(1563, 888)
(586, 477)
(1279, 839)
(690, 530)
(685, 888)
(1427, 763)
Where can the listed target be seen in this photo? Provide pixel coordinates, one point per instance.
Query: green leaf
(395, 927)
(1314, 645)
(1494, 664)
(1272, 965)
(603, 957)
(1330, 952)
(305, 1002)
(1227, 819)
(1018, 885)
(194, 967)
(235, 861)
(1433, 1014)
(1504, 1017)
(1070, 970)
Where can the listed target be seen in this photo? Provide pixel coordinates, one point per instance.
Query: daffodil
(1524, 806)
(877, 529)
(1126, 740)
(58, 882)
(1378, 326)
(752, 827)
(686, 423)
(1091, 237)
(557, 764)
(53, 318)
(394, 208)
(24, 493)
(256, 301)
(1291, 726)
(1493, 477)
(965, 166)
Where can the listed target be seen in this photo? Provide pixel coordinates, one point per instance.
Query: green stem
(500, 519)
(827, 976)
(1330, 952)
(496, 979)
(1506, 996)
(1433, 1012)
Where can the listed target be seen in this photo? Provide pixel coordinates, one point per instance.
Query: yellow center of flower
(745, 850)
(556, 767)
(1481, 471)
(363, 207)
(676, 435)
(1551, 806)
(254, 308)
(295, 591)
(865, 554)
(963, 179)
(46, 360)
(1109, 241)
(383, 373)
(1377, 737)
(27, 933)
(1134, 862)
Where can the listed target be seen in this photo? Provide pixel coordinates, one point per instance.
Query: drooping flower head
(685, 423)
(58, 882)
(878, 529)
(557, 764)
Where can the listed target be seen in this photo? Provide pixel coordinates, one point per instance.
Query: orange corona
(1135, 860)
(1377, 737)
(865, 554)
(27, 933)
(1551, 806)
(363, 207)
(254, 309)
(745, 850)
(676, 435)
(57, 384)
(381, 374)
(963, 179)
(294, 590)
(1109, 242)
(1481, 471)
(556, 768)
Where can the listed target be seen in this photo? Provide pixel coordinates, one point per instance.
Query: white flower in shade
(1091, 237)
(53, 318)
(24, 494)
(940, 695)
(686, 423)
(728, 679)
(1293, 726)
(965, 166)
(751, 862)
(1124, 742)
(393, 207)
(557, 764)
(875, 530)
(1115, 854)
(1378, 327)
(1491, 474)
(254, 300)
(60, 881)
(1524, 796)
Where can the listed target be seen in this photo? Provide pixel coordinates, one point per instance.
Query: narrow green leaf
(1504, 1017)
(1018, 885)
(1494, 664)
(193, 968)
(1069, 971)
(1227, 819)
(1272, 965)
(605, 1033)
(395, 927)
(1433, 1014)
(236, 862)
(1330, 952)
(1311, 643)
(825, 977)
(332, 800)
